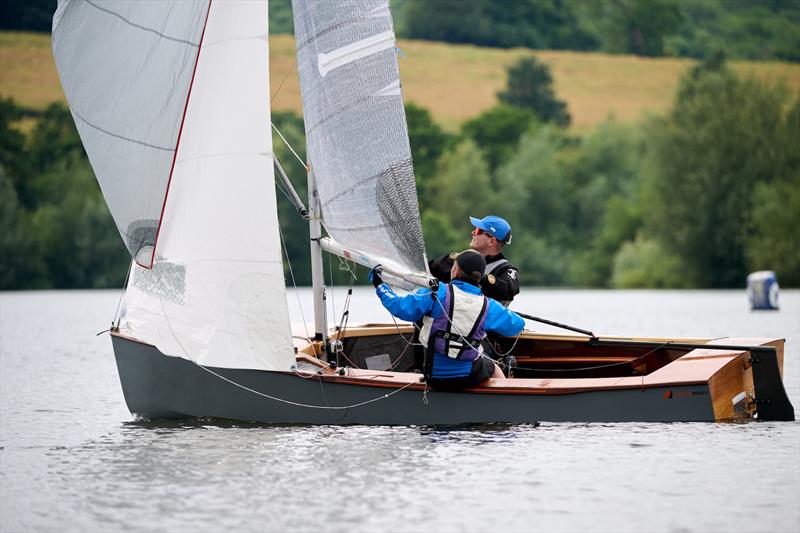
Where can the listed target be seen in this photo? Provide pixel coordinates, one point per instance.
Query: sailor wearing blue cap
(501, 278)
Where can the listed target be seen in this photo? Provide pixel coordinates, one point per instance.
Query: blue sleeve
(409, 307)
(502, 320)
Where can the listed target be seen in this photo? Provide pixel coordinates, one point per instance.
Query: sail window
(352, 52)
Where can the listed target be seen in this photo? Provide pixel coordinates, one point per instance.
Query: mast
(317, 277)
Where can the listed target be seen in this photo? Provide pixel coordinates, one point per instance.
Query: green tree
(632, 26)
(603, 185)
(723, 136)
(543, 24)
(593, 265)
(530, 86)
(644, 263)
(774, 240)
(31, 15)
(53, 140)
(497, 131)
(13, 158)
(774, 243)
(532, 197)
(461, 188)
(280, 17)
(440, 235)
(428, 143)
(21, 266)
(78, 240)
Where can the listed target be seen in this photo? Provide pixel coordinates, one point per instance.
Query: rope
(305, 405)
(333, 292)
(342, 328)
(596, 367)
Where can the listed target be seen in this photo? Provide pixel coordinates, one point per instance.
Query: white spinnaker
(126, 67)
(216, 292)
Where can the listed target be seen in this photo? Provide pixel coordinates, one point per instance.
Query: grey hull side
(157, 386)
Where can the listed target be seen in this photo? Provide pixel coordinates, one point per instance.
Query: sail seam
(178, 142)
(365, 228)
(344, 109)
(112, 134)
(394, 166)
(145, 28)
(225, 154)
(334, 28)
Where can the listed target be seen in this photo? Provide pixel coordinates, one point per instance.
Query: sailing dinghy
(171, 100)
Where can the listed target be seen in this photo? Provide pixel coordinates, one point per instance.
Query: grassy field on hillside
(455, 82)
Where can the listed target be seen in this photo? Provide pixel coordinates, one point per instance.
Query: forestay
(356, 131)
(215, 293)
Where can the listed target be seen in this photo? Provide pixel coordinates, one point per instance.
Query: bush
(644, 263)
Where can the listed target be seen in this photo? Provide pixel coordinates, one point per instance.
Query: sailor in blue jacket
(454, 321)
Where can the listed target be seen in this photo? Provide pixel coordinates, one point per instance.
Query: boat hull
(157, 386)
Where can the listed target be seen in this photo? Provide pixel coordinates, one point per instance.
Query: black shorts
(482, 368)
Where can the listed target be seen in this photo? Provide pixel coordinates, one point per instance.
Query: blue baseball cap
(496, 226)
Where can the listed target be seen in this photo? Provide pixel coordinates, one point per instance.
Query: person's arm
(502, 320)
(410, 307)
(503, 287)
(440, 267)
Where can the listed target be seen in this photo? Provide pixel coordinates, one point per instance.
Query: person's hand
(375, 276)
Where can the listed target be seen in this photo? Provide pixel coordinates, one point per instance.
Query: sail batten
(356, 131)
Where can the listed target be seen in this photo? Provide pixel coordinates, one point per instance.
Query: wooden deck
(726, 372)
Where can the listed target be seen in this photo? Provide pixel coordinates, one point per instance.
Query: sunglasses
(479, 231)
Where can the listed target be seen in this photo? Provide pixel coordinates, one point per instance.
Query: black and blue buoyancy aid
(458, 332)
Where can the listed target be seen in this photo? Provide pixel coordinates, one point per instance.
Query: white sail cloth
(126, 70)
(215, 293)
(356, 129)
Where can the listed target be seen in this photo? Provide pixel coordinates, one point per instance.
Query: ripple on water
(72, 458)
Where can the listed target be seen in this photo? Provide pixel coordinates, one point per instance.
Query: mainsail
(356, 131)
(215, 293)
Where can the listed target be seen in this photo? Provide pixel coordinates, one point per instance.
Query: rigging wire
(332, 286)
(289, 146)
(280, 85)
(294, 283)
(117, 317)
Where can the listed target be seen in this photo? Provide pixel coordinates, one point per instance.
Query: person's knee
(498, 372)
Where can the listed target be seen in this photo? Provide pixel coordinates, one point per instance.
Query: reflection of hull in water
(654, 383)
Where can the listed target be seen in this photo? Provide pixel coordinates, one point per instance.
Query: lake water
(73, 459)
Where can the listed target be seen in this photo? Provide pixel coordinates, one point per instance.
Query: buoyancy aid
(458, 332)
(494, 265)
(494, 269)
